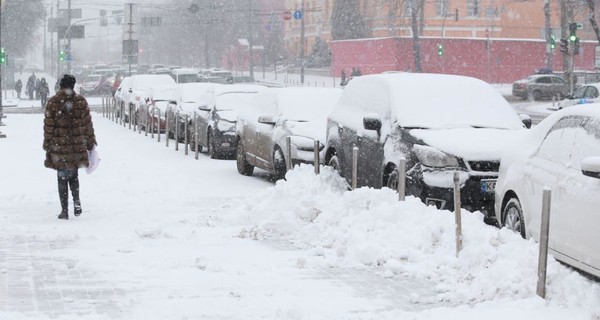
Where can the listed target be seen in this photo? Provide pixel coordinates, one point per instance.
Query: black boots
(68, 178)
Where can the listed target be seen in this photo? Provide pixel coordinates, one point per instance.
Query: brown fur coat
(68, 132)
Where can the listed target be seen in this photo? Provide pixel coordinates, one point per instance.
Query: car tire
(512, 217)
(279, 164)
(243, 167)
(210, 145)
(392, 180)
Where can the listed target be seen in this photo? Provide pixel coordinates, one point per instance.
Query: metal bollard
(146, 123)
(167, 128)
(158, 126)
(288, 145)
(177, 131)
(152, 125)
(457, 216)
(354, 167)
(130, 116)
(103, 108)
(185, 134)
(195, 135)
(135, 123)
(401, 187)
(544, 235)
(317, 160)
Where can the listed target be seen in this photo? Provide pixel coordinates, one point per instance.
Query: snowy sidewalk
(159, 239)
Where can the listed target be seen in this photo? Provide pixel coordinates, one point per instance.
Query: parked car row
(441, 124)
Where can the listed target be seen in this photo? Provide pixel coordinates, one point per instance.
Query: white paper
(94, 160)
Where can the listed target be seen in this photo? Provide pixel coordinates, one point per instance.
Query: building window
(473, 8)
(441, 8)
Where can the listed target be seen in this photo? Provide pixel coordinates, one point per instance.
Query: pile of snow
(368, 228)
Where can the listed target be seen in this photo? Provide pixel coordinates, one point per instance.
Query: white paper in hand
(94, 160)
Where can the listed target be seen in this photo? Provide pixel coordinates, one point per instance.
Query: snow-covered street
(164, 236)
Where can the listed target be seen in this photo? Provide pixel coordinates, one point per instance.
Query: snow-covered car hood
(471, 143)
(228, 115)
(309, 129)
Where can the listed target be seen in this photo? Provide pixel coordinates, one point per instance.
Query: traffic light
(440, 50)
(3, 56)
(572, 31)
(552, 42)
(576, 46)
(61, 56)
(564, 45)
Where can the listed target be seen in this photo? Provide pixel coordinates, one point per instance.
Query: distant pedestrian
(343, 82)
(37, 89)
(57, 85)
(358, 72)
(43, 91)
(18, 88)
(68, 135)
(353, 73)
(30, 87)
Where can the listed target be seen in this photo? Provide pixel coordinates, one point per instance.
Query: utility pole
(52, 57)
(251, 64)
(302, 43)
(45, 51)
(549, 50)
(69, 55)
(58, 67)
(564, 23)
(130, 32)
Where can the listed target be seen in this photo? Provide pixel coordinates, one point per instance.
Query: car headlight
(435, 158)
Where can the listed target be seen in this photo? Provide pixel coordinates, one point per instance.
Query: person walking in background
(343, 82)
(68, 135)
(18, 88)
(30, 87)
(57, 85)
(44, 91)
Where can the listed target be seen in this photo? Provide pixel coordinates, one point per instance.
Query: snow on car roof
(306, 104)
(429, 101)
(146, 81)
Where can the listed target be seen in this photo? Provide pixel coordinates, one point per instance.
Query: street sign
(298, 14)
(76, 32)
(75, 13)
(54, 23)
(130, 48)
(287, 15)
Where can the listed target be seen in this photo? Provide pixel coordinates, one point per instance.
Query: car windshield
(307, 104)
(233, 100)
(187, 78)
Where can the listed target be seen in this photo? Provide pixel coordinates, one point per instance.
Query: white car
(187, 99)
(139, 90)
(562, 153)
(275, 114)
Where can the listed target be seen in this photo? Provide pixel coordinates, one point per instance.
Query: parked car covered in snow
(187, 98)
(562, 153)
(217, 120)
(156, 104)
(465, 126)
(274, 114)
(537, 87)
(138, 92)
(185, 75)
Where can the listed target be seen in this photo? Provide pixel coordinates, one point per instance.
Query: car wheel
(243, 166)
(513, 217)
(212, 152)
(334, 163)
(392, 180)
(279, 165)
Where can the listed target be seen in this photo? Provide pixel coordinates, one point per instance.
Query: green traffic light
(440, 49)
(573, 38)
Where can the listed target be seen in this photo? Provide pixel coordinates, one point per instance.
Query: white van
(184, 75)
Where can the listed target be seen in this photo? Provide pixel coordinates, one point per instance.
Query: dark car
(217, 121)
(463, 127)
(540, 86)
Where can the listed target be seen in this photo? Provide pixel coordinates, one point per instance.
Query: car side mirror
(173, 102)
(130, 90)
(590, 167)
(372, 123)
(266, 119)
(526, 119)
(204, 108)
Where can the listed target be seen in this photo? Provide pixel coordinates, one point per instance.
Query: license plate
(488, 186)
